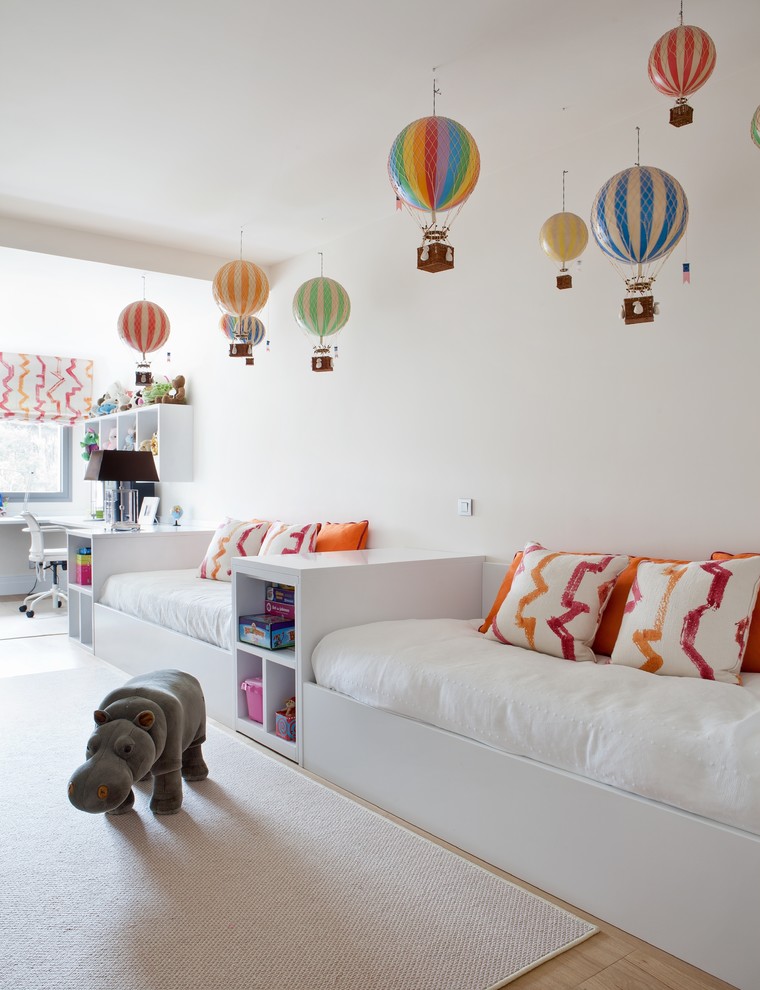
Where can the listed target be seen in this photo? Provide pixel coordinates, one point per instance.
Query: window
(35, 461)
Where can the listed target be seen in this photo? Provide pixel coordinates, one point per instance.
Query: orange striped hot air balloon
(240, 288)
(680, 62)
(145, 327)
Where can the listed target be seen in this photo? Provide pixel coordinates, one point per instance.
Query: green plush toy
(154, 724)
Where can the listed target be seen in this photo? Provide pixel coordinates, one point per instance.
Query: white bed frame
(683, 883)
(138, 647)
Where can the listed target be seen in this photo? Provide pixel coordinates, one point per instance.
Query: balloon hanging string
(436, 91)
(241, 243)
(638, 147)
(564, 173)
(321, 264)
(143, 278)
(681, 14)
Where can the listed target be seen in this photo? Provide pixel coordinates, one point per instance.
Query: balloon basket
(143, 375)
(564, 281)
(242, 349)
(681, 114)
(322, 362)
(645, 303)
(435, 257)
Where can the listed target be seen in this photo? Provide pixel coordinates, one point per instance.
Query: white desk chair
(44, 558)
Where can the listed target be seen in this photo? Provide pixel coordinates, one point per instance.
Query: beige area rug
(265, 880)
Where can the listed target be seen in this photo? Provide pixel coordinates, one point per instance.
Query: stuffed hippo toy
(153, 724)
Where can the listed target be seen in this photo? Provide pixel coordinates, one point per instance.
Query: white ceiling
(177, 122)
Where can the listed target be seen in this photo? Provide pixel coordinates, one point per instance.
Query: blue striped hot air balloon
(638, 217)
(243, 334)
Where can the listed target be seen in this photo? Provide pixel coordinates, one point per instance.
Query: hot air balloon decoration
(563, 238)
(243, 334)
(754, 128)
(145, 327)
(433, 167)
(680, 62)
(638, 217)
(240, 288)
(321, 307)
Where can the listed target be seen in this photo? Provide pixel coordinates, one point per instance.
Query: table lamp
(125, 467)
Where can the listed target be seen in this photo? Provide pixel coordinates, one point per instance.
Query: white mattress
(177, 600)
(683, 741)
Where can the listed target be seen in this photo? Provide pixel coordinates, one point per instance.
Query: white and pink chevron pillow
(284, 538)
(233, 538)
(556, 602)
(689, 619)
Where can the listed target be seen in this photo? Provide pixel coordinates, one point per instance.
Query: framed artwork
(148, 510)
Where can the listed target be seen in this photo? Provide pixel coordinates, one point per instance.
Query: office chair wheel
(22, 608)
(30, 614)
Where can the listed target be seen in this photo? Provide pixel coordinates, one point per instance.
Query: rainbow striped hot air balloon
(240, 288)
(243, 334)
(433, 167)
(321, 307)
(145, 327)
(563, 238)
(754, 128)
(638, 217)
(680, 62)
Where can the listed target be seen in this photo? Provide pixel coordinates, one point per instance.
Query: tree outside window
(35, 461)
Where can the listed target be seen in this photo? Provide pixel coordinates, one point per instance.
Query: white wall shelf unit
(334, 590)
(172, 425)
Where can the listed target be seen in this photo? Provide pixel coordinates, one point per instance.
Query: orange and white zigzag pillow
(233, 538)
(556, 602)
(689, 620)
(284, 538)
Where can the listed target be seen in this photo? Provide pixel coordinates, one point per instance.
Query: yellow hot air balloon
(563, 238)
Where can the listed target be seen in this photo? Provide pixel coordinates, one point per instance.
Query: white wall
(561, 423)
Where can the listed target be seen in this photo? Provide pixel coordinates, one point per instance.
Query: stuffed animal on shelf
(113, 440)
(151, 445)
(177, 394)
(89, 443)
(154, 724)
(129, 439)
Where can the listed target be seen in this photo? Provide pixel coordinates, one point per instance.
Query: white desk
(157, 547)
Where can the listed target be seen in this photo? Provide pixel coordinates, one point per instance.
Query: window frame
(66, 478)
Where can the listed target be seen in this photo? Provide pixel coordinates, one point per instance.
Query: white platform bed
(686, 879)
(156, 613)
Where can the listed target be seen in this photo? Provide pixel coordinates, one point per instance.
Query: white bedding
(177, 600)
(686, 742)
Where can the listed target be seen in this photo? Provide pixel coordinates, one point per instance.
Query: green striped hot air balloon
(321, 307)
(754, 128)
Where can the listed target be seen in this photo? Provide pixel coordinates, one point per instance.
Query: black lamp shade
(121, 465)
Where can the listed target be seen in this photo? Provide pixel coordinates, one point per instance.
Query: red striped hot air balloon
(240, 288)
(680, 62)
(145, 327)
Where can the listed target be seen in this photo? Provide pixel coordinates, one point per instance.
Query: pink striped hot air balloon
(145, 327)
(680, 62)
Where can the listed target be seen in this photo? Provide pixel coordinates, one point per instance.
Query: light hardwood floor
(610, 960)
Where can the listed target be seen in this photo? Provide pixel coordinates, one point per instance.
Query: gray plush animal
(153, 724)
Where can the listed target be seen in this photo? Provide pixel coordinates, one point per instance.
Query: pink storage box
(254, 698)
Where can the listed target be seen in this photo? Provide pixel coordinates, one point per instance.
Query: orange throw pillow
(343, 536)
(502, 593)
(751, 662)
